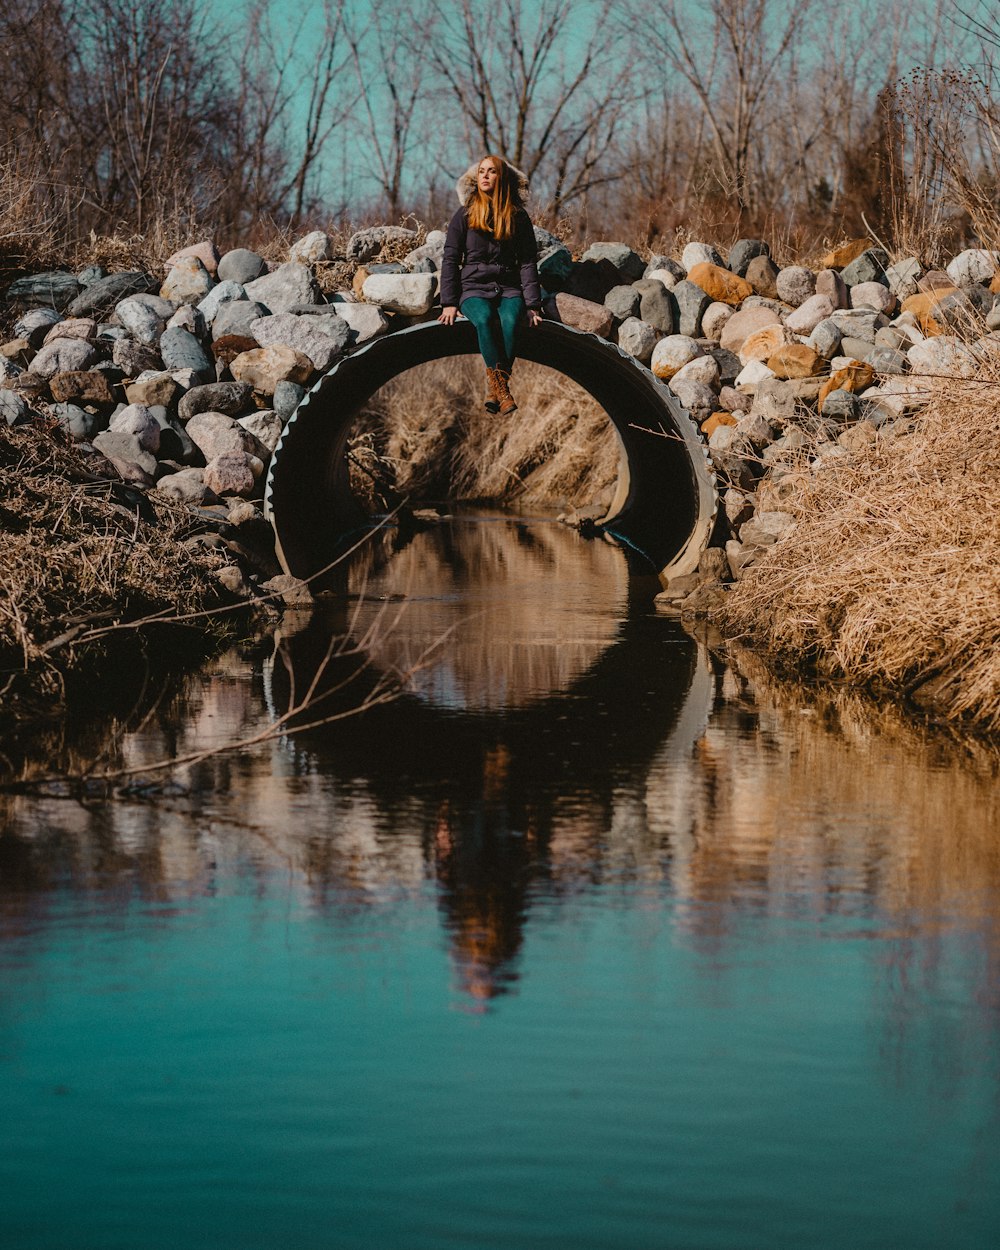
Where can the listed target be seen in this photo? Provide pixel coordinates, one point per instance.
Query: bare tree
(543, 84)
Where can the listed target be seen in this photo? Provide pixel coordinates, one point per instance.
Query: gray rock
(762, 301)
(99, 299)
(701, 253)
(236, 317)
(365, 244)
(857, 349)
(287, 397)
(290, 284)
(733, 400)
(174, 441)
(186, 487)
(555, 264)
(870, 266)
(627, 262)
(90, 275)
(265, 426)
(223, 293)
(691, 302)
(694, 395)
(44, 290)
(13, 409)
(181, 350)
(144, 323)
(888, 360)
(79, 424)
(893, 338)
(63, 356)
(231, 473)
(365, 321)
(638, 338)
(241, 266)
(656, 307)
(664, 263)
(841, 405)
(993, 318)
(187, 317)
(859, 323)
(623, 301)
(728, 364)
(825, 338)
(129, 457)
(322, 339)
(8, 369)
(592, 280)
(424, 265)
(35, 325)
(744, 251)
(795, 284)
(229, 398)
(215, 434)
(430, 252)
(903, 277)
(389, 266)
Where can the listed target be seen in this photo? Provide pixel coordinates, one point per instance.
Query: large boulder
(627, 262)
(288, 285)
(411, 294)
(581, 314)
(322, 339)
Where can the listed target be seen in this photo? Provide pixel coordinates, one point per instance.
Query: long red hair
(494, 214)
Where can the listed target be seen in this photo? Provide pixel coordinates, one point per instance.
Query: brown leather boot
(499, 382)
(490, 402)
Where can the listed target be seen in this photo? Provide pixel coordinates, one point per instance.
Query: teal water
(588, 941)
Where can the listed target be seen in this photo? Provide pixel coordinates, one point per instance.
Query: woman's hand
(535, 318)
(448, 316)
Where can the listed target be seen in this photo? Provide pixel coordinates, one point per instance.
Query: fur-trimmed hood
(466, 185)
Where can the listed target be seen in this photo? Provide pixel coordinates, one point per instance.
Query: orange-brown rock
(78, 386)
(923, 304)
(265, 367)
(358, 281)
(720, 284)
(795, 360)
(855, 377)
(709, 426)
(995, 284)
(843, 255)
(764, 343)
(228, 346)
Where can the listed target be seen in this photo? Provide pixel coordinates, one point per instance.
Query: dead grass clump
(891, 576)
(79, 550)
(429, 431)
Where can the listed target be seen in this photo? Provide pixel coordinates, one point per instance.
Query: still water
(585, 940)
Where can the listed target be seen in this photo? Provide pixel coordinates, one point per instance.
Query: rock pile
(184, 380)
(788, 371)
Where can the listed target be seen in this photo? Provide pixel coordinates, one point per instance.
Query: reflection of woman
(489, 271)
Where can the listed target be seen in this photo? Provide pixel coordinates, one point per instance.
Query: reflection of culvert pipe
(666, 501)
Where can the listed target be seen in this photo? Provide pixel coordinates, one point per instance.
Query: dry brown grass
(891, 577)
(75, 552)
(433, 436)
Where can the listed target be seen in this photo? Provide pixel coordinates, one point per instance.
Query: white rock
(673, 353)
(366, 321)
(698, 254)
(972, 267)
(288, 285)
(809, 314)
(714, 319)
(224, 293)
(138, 420)
(753, 373)
(322, 338)
(411, 294)
(873, 295)
(702, 369)
(945, 355)
(668, 279)
(311, 248)
(265, 426)
(695, 396)
(638, 338)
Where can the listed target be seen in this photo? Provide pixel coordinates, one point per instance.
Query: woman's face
(487, 177)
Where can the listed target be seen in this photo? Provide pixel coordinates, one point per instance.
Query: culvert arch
(665, 502)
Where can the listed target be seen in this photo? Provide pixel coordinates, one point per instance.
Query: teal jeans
(497, 322)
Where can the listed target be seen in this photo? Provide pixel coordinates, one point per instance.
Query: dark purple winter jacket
(475, 263)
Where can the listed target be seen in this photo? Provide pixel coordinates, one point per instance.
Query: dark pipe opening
(666, 500)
